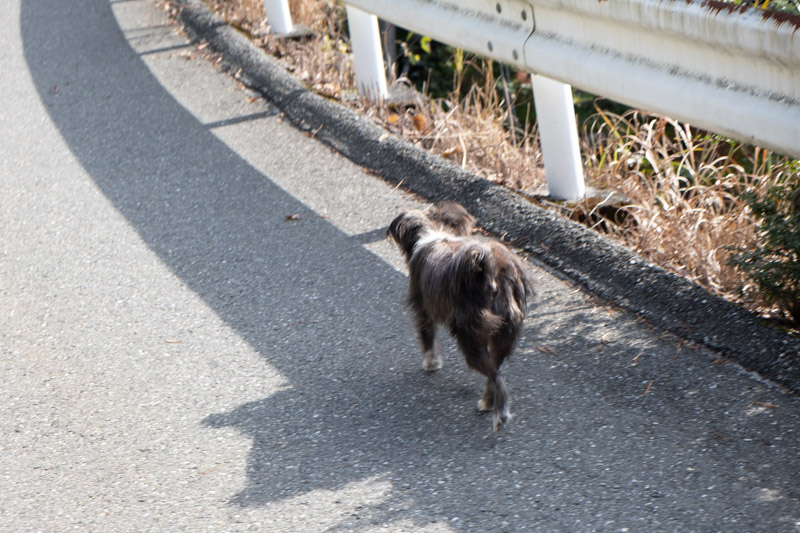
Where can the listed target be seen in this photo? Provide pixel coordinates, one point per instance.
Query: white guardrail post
(733, 70)
(558, 136)
(365, 38)
(278, 16)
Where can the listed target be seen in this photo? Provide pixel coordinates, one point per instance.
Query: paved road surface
(177, 354)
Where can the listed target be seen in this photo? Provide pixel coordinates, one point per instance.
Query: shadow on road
(310, 299)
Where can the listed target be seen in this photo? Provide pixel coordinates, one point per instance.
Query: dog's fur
(478, 288)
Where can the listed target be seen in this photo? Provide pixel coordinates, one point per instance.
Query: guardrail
(728, 69)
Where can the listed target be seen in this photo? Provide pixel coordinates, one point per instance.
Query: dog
(477, 288)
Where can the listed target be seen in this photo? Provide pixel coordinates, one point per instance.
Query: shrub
(774, 265)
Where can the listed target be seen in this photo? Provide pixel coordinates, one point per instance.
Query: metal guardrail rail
(728, 69)
(732, 71)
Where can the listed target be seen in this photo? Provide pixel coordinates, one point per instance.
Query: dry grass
(471, 134)
(686, 189)
(684, 186)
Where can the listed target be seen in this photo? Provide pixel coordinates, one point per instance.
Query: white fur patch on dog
(431, 236)
(432, 360)
(484, 405)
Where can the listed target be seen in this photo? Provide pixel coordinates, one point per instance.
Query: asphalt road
(201, 328)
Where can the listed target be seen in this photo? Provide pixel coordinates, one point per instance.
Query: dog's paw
(432, 365)
(485, 404)
(432, 361)
(501, 418)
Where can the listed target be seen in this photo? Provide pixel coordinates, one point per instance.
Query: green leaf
(425, 44)
(459, 59)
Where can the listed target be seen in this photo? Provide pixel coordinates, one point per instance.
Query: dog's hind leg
(502, 403)
(495, 397)
(432, 359)
(500, 346)
(486, 403)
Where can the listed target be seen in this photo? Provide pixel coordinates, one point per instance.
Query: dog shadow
(401, 427)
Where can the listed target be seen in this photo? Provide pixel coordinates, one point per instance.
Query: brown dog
(477, 288)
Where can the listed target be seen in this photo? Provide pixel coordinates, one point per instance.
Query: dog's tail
(516, 295)
(514, 284)
(471, 270)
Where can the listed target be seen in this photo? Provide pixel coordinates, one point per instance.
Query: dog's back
(468, 283)
(449, 278)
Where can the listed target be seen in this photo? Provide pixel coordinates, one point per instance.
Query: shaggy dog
(477, 288)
